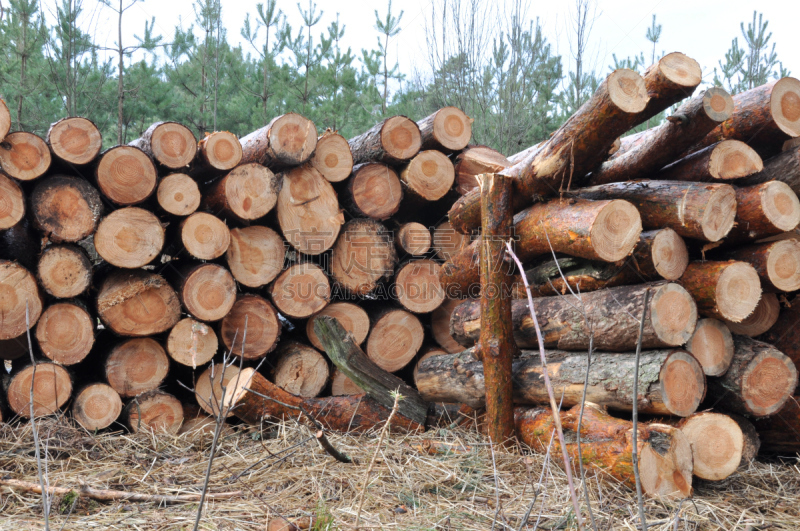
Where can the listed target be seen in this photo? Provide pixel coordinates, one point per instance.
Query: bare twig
(114, 495)
(635, 417)
(36, 443)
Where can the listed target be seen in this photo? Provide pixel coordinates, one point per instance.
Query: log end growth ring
(178, 194)
(126, 175)
(205, 236)
(738, 291)
(670, 255)
(251, 191)
(683, 384)
(293, 138)
(616, 230)
(400, 138)
(24, 156)
(717, 443)
(395, 339)
(673, 313)
(780, 205)
(718, 104)
(783, 265)
(52, 388)
(18, 289)
(173, 145)
(430, 174)
(719, 213)
(223, 150)
(785, 105)
(681, 70)
(769, 381)
(263, 327)
(761, 320)
(668, 449)
(333, 158)
(97, 406)
(732, 159)
(129, 237)
(452, 128)
(76, 140)
(712, 346)
(12, 203)
(627, 90)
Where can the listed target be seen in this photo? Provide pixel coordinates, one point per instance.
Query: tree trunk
(353, 319)
(759, 381)
(718, 444)
(64, 271)
(308, 211)
(137, 303)
(207, 291)
(12, 200)
(724, 290)
(129, 238)
(96, 407)
(764, 117)
(664, 454)
(136, 366)
(18, 293)
(447, 242)
(440, 326)
(778, 433)
(65, 332)
(66, 209)
(660, 254)
(477, 160)
(764, 210)
(724, 161)
(301, 290)
(613, 317)
(52, 387)
(784, 168)
(204, 236)
(644, 153)
(712, 345)
(245, 194)
(288, 140)
(761, 320)
(671, 382)
(255, 316)
(126, 175)
(693, 210)
(300, 369)
(332, 158)
(413, 238)
(362, 257)
(374, 191)
(170, 144)
(672, 79)
(417, 285)
(777, 263)
(24, 156)
(74, 141)
(395, 339)
(192, 343)
(575, 149)
(428, 177)
(178, 194)
(217, 152)
(393, 141)
(157, 411)
(255, 256)
(448, 129)
(597, 230)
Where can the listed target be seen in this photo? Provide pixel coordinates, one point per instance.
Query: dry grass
(408, 489)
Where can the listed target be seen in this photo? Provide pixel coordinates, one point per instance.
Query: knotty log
(137, 303)
(575, 149)
(247, 193)
(671, 382)
(413, 238)
(12, 203)
(777, 263)
(362, 257)
(136, 366)
(724, 290)
(724, 161)
(764, 210)
(764, 117)
(476, 160)
(598, 230)
(374, 191)
(644, 153)
(178, 194)
(52, 387)
(96, 406)
(288, 140)
(192, 343)
(301, 290)
(447, 242)
(712, 345)
(353, 319)
(448, 129)
(300, 370)
(417, 286)
(779, 432)
(332, 158)
(308, 211)
(74, 141)
(126, 175)
(718, 444)
(759, 381)
(613, 319)
(207, 291)
(217, 152)
(129, 238)
(393, 141)
(155, 410)
(761, 320)
(428, 177)
(395, 339)
(263, 327)
(255, 256)
(664, 454)
(66, 209)
(784, 168)
(65, 332)
(204, 236)
(64, 271)
(440, 326)
(170, 144)
(18, 292)
(693, 210)
(24, 156)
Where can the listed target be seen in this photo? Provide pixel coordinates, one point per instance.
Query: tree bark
(137, 303)
(352, 317)
(129, 238)
(262, 327)
(761, 320)
(672, 79)
(192, 343)
(136, 366)
(300, 370)
(170, 144)
(374, 191)
(126, 175)
(255, 256)
(65, 332)
(417, 285)
(476, 160)
(12, 203)
(784, 168)
(301, 290)
(96, 406)
(22, 244)
(155, 410)
(660, 254)
(447, 242)
(712, 345)
(395, 339)
(393, 141)
(18, 293)
(428, 176)
(440, 326)
(178, 194)
(66, 209)
(448, 129)
(723, 290)
(724, 161)
(332, 158)
(764, 210)
(777, 263)
(362, 257)
(288, 140)
(24, 156)
(247, 193)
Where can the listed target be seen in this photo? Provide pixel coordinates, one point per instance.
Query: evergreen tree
(389, 27)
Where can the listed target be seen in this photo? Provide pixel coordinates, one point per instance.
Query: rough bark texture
(474, 161)
(672, 79)
(24, 156)
(288, 140)
(761, 320)
(352, 317)
(66, 209)
(126, 175)
(137, 303)
(784, 167)
(724, 290)
(660, 254)
(245, 194)
(448, 129)
(724, 161)
(764, 210)
(777, 263)
(170, 144)
(785, 333)
(393, 141)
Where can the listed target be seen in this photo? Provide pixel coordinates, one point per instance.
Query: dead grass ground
(409, 489)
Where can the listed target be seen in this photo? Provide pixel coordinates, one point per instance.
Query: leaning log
(784, 168)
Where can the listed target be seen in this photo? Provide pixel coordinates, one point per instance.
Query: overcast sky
(702, 29)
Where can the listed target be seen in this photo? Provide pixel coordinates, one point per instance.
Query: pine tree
(389, 27)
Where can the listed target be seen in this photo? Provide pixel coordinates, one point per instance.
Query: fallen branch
(115, 495)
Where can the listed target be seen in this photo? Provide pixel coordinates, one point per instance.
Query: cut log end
(205, 236)
(208, 389)
(308, 211)
(712, 346)
(413, 238)
(18, 292)
(363, 255)
(12, 203)
(717, 443)
(429, 175)
(129, 238)
(64, 271)
(783, 265)
(255, 256)
(137, 303)
(761, 320)
(292, 139)
(24, 156)
(341, 385)
(96, 406)
(178, 194)
(126, 175)
(669, 253)
(332, 157)
(157, 411)
(263, 327)
(352, 318)
(221, 150)
(395, 339)
(476, 160)
(673, 314)
(452, 128)
(785, 105)
(75, 140)
(616, 230)
(301, 291)
(52, 387)
(65, 333)
(66, 209)
(681, 70)
(683, 383)
(665, 464)
(719, 213)
(173, 145)
(208, 292)
(400, 138)
(136, 366)
(627, 90)
(192, 343)
(718, 104)
(769, 380)
(447, 242)
(300, 370)
(249, 191)
(418, 286)
(738, 291)
(780, 205)
(732, 159)
(375, 191)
